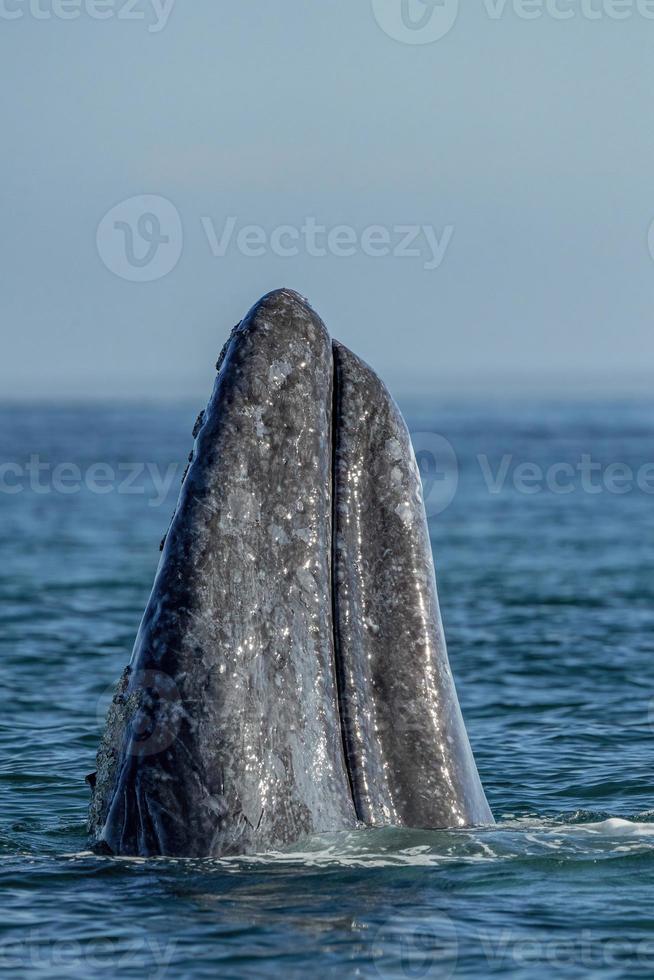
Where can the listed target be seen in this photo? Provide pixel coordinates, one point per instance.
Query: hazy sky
(512, 158)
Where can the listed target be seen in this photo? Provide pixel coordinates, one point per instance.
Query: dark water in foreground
(548, 602)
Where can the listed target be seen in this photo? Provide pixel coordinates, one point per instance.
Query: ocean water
(542, 519)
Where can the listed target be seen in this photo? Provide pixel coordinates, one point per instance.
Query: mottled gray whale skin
(407, 749)
(290, 675)
(225, 735)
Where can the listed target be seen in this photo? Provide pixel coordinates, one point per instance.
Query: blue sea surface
(542, 522)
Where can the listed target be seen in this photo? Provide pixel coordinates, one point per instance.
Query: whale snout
(290, 674)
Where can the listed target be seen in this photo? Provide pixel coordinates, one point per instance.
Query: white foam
(615, 827)
(523, 837)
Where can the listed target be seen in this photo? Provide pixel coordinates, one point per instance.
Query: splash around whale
(290, 675)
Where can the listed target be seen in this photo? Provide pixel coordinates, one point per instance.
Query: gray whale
(290, 675)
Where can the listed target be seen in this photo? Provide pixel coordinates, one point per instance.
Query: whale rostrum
(290, 675)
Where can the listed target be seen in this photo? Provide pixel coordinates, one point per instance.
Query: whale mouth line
(339, 661)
